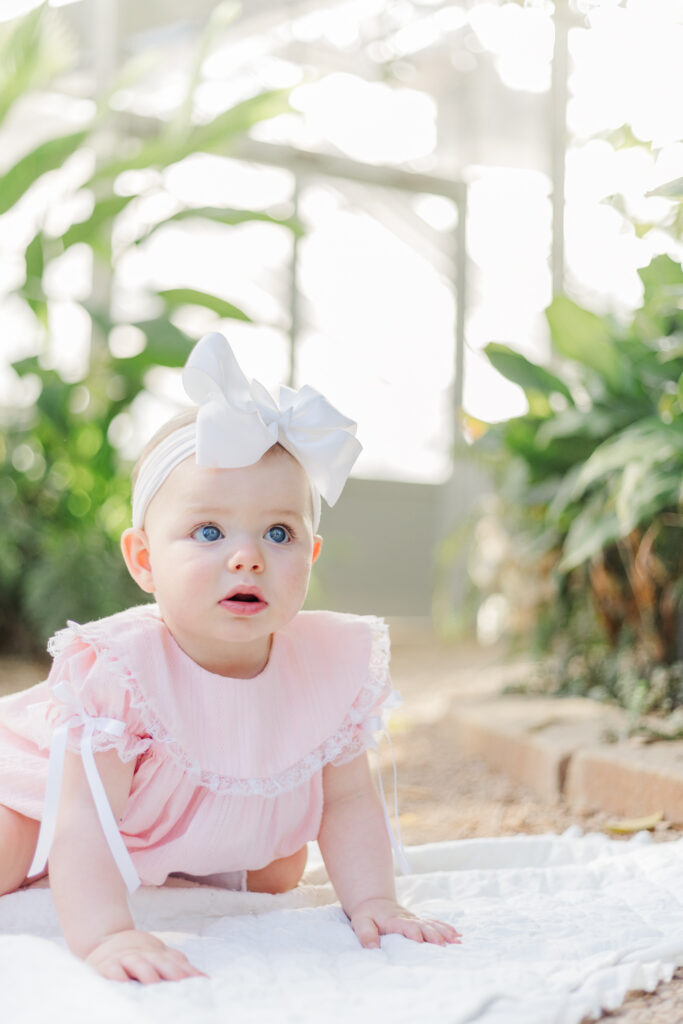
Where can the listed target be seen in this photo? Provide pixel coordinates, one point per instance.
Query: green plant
(63, 488)
(592, 475)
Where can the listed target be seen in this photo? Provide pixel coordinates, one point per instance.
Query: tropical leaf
(45, 157)
(651, 441)
(33, 49)
(222, 15)
(629, 500)
(166, 345)
(670, 189)
(644, 489)
(587, 339)
(661, 272)
(30, 364)
(559, 510)
(593, 529)
(537, 382)
(215, 136)
(176, 297)
(32, 290)
(225, 128)
(556, 457)
(672, 353)
(53, 402)
(88, 230)
(594, 424)
(663, 287)
(224, 215)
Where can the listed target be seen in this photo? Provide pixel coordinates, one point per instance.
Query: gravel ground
(444, 796)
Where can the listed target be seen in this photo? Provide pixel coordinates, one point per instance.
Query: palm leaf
(213, 137)
(587, 339)
(224, 215)
(651, 441)
(670, 189)
(33, 50)
(536, 381)
(45, 157)
(176, 297)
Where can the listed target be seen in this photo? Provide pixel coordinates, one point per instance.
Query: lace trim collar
(353, 735)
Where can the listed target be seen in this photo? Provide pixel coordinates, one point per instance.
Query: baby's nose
(246, 558)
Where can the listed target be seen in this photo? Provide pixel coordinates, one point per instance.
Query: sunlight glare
(369, 121)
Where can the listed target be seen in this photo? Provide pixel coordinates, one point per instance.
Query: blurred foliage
(64, 494)
(587, 524)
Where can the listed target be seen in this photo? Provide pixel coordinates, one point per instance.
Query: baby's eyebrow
(215, 511)
(206, 511)
(285, 513)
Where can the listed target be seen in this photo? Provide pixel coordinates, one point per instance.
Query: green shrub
(591, 489)
(64, 493)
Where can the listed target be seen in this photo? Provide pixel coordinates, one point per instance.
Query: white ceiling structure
(416, 122)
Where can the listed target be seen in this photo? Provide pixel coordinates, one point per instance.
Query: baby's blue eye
(278, 534)
(207, 534)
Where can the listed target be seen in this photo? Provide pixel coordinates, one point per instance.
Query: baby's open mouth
(245, 602)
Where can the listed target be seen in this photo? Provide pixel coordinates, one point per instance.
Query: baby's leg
(279, 876)
(18, 838)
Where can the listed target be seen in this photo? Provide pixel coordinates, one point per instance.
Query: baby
(219, 730)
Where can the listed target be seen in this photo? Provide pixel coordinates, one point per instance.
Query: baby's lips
(245, 593)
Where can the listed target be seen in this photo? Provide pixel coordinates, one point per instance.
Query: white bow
(238, 421)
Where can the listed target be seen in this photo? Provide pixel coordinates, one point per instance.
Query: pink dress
(228, 772)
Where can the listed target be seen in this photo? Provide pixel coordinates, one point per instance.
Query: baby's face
(230, 554)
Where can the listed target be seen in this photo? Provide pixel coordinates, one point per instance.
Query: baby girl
(214, 732)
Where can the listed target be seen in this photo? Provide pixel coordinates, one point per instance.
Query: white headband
(238, 421)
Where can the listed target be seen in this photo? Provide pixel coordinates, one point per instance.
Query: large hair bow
(238, 420)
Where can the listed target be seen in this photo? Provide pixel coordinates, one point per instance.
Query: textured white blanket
(554, 929)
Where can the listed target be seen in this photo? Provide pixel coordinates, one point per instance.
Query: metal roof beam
(335, 166)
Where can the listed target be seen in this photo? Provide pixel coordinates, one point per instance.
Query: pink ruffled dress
(228, 772)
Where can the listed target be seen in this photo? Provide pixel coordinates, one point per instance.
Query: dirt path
(445, 796)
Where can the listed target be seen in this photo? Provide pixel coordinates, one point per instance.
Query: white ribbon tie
(55, 771)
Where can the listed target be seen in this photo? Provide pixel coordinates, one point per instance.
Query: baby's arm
(357, 853)
(88, 891)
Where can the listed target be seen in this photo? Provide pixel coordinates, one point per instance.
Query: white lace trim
(353, 736)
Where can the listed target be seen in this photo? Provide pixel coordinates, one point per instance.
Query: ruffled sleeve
(371, 709)
(89, 711)
(87, 682)
(368, 720)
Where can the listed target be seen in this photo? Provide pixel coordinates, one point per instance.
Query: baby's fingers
(439, 934)
(112, 971)
(139, 969)
(366, 931)
(172, 965)
(435, 932)
(449, 933)
(149, 968)
(408, 927)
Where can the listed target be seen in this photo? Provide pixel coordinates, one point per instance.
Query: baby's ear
(135, 548)
(317, 547)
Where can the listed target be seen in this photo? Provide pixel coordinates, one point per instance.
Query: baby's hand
(139, 956)
(373, 918)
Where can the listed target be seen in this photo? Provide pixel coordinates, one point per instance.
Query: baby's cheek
(297, 577)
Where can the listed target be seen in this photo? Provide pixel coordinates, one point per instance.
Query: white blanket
(555, 928)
